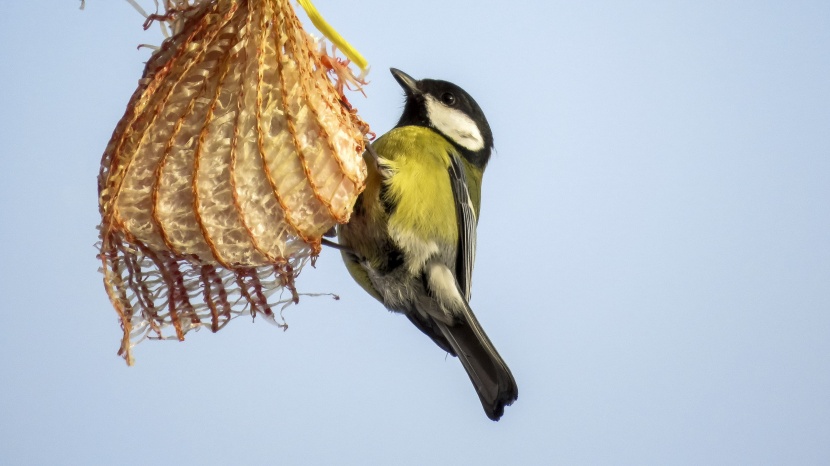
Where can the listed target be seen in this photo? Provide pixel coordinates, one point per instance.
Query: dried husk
(236, 153)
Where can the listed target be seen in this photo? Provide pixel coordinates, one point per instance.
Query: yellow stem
(332, 35)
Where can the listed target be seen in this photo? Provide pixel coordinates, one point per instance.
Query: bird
(411, 239)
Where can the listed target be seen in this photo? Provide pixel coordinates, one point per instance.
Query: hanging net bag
(236, 153)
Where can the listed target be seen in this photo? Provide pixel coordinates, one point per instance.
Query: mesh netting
(237, 152)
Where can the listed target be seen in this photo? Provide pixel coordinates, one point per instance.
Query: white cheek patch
(457, 126)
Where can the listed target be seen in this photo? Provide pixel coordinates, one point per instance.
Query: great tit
(411, 239)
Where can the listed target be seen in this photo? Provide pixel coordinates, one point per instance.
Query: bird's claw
(384, 171)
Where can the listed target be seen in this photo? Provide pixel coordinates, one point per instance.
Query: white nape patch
(443, 286)
(457, 126)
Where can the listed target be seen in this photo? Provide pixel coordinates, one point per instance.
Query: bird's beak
(409, 85)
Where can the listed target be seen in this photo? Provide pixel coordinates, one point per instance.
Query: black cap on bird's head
(448, 109)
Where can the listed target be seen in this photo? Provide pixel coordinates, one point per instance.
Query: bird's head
(449, 110)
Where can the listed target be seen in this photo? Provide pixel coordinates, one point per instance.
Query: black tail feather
(488, 372)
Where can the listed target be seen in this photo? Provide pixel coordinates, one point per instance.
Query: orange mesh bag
(237, 152)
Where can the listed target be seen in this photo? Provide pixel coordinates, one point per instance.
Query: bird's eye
(448, 99)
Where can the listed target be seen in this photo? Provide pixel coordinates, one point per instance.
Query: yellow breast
(419, 187)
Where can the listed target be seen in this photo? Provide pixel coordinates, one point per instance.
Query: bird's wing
(466, 217)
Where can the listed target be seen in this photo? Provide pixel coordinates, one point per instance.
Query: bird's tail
(487, 370)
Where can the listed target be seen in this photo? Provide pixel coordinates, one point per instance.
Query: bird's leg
(355, 256)
(332, 244)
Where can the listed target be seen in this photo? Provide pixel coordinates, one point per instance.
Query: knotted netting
(237, 152)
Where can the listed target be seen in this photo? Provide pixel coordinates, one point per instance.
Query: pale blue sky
(654, 251)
